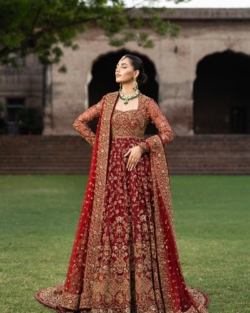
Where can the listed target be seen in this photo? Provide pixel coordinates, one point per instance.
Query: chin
(118, 81)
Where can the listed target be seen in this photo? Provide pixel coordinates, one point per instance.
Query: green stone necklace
(128, 97)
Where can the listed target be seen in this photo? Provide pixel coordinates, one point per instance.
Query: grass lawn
(39, 216)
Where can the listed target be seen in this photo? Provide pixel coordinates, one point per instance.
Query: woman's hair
(138, 65)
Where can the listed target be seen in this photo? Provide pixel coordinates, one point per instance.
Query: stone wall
(22, 83)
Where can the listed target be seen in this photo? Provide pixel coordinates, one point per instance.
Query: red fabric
(85, 218)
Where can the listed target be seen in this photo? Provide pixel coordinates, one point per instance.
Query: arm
(81, 123)
(160, 121)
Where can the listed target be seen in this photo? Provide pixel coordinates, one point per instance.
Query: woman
(124, 258)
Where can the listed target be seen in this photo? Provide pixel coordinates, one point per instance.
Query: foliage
(1, 107)
(39, 26)
(39, 216)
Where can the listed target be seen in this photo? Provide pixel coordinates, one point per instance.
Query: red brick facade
(199, 154)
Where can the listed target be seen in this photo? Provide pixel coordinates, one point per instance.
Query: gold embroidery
(92, 284)
(51, 297)
(131, 123)
(164, 212)
(81, 123)
(160, 121)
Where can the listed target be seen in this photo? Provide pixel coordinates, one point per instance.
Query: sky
(204, 4)
(212, 4)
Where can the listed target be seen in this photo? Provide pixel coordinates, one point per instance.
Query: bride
(124, 257)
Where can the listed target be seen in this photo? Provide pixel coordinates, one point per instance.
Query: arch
(221, 94)
(103, 80)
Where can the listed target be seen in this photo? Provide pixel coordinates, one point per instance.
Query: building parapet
(205, 14)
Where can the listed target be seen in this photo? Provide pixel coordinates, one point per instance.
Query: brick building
(200, 80)
(20, 88)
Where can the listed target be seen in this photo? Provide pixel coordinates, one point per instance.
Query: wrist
(141, 149)
(144, 147)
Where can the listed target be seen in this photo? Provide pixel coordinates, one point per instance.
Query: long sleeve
(81, 123)
(160, 121)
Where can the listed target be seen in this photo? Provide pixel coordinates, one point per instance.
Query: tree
(39, 26)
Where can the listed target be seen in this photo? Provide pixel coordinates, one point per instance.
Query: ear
(136, 73)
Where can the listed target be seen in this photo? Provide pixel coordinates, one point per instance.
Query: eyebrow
(121, 64)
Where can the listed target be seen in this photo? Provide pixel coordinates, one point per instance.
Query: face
(125, 72)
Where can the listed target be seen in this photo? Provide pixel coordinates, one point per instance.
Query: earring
(135, 85)
(120, 89)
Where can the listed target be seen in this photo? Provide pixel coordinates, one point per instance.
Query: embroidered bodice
(130, 123)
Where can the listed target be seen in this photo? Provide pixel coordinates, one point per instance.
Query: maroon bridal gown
(125, 258)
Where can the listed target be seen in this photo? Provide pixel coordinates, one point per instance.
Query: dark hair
(138, 65)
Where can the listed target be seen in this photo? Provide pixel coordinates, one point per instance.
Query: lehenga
(124, 257)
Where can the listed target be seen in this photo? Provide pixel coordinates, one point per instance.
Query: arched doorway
(221, 94)
(103, 80)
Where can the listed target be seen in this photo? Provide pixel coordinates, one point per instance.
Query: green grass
(39, 216)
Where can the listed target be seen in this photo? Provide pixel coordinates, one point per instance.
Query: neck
(127, 88)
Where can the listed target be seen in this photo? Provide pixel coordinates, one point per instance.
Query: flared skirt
(126, 277)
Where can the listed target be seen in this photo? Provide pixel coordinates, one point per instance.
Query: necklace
(128, 97)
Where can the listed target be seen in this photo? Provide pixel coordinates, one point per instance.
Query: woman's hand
(135, 154)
